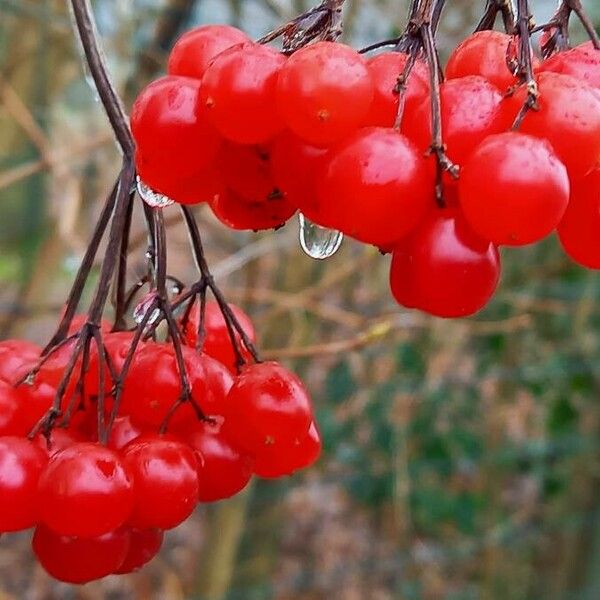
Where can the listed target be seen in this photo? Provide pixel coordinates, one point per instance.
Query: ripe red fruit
(197, 48)
(523, 195)
(154, 385)
(470, 112)
(483, 53)
(21, 463)
(374, 187)
(174, 142)
(569, 118)
(217, 342)
(267, 404)
(123, 431)
(222, 469)
(80, 560)
(85, 491)
(581, 62)
(443, 268)
(166, 481)
(385, 70)
(290, 456)
(17, 357)
(255, 215)
(238, 93)
(579, 230)
(294, 168)
(58, 440)
(12, 421)
(324, 91)
(144, 545)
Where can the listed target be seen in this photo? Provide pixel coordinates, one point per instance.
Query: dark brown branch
(493, 7)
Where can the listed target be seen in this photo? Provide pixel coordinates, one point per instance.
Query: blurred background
(461, 458)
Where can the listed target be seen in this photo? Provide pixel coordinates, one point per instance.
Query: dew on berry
(152, 198)
(316, 241)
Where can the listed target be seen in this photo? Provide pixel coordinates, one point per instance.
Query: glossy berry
(21, 463)
(294, 168)
(197, 48)
(523, 195)
(443, 268)
(385, 70)
(17, 357)
(324, 91)
(12, 420)
(85, 491)
(568, 117)
(166, 481)
(580, 225)
(287, 457)
(57, 440)
(80, 560)
(174, 141)
(154, 385)
(581, 62)
(374, 187)
(144, 545)
(470, 112)
(266, 404)
(223, 470)
(217, 342)
(483, 53)
(238, 93)
(123, 431)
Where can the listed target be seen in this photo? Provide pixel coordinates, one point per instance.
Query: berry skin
(374, 187)
(569, 118)
(80, 560)
(580, 226)
(123, 431)
(266, 405)
(196, 49)
(85, 491)
(286, 458)
(483, 53)
(164, 472)
(174, 142)
(223, 470)
(12, 420)
(17, 357)
(581, 62)
(217, 342)
(385, 70)
(58, 440)
(443, 268)
(470, 112)
(324, 92)
(144, 545)
(21, 464)
(523, 195)
(238, 93)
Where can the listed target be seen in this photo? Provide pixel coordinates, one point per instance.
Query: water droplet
(318, 242)
(30, 379)
(139, 312)
(152, 198)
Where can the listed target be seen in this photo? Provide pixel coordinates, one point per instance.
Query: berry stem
(492, 8)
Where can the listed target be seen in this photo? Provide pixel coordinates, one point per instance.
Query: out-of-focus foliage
(461, 458)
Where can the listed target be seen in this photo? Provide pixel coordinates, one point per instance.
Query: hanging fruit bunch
(115, 431)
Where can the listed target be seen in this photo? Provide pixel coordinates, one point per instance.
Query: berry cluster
(101, 508)
(348, 141)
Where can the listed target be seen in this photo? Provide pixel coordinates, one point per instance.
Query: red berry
(470, 112)
(324, 92)
(385, 70)
(238, 93)
(222, 469)
(144, 545)
(174, 142)
(374, 187)
(579, 230)
(196, 49)
(568, 117)
(79, 560)
(581, 62)
(443, 268)
(58, 440)
(21, 463)
(17, 357)
(12, 421)
(286, 458)
(513, 190)
(166, 481)
(123, 431)
(217, 342)
(85, 491)
(267, 404)
(483, 53)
